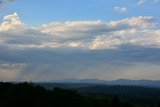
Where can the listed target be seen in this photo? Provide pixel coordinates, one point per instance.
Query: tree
(127, 104)
(115, 102)
(158, 104)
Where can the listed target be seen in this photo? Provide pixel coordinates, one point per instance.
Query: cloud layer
(79, 49)
(141, 31)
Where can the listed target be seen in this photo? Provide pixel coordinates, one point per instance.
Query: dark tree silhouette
(30, 95)
(115, 102)
(158, 104)
(127, 104)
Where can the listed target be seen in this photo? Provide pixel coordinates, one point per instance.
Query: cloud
(79, 49)
(3, 3)
(103, 35)
(105, 42)
(11, 22)
(149, 72)
(121, 9)
(140, 31)
(84, 29)
(11, 71)
(46, 65)
(148, 38)
(141, 2)
(71, 29)
(75, 44)
(133, 22)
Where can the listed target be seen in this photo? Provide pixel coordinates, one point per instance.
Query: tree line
(31, 95)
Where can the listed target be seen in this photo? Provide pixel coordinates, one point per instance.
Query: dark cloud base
(51, 64)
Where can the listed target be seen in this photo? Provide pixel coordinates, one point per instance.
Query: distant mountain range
(146, 83)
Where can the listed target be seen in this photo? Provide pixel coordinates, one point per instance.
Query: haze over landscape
(51, 40)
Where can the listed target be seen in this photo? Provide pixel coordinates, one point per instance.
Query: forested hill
(128, 82)
(31, 95)
(136, 94)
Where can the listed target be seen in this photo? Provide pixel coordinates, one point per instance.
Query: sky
(51, 40)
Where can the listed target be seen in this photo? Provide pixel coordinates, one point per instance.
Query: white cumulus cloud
(147, 38)
(141, 31)
(11, 22)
